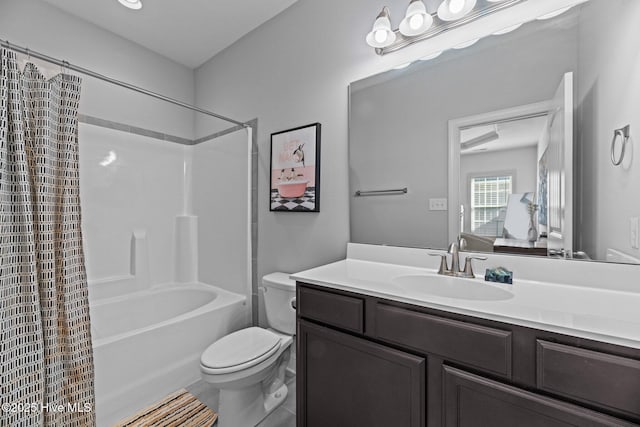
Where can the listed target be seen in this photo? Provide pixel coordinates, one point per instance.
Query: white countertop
(606, 315)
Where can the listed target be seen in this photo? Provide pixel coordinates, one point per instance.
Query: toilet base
(248, 406)
(275, 399)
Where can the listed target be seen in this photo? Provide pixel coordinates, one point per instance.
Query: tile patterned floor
(305, 203)
(283, 416)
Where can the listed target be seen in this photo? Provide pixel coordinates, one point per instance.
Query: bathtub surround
(186, 248)
(188, 257)
(148, 343)
(110, 124)
(140, 259)
(138, 277)
(123, 127)
(45, 344)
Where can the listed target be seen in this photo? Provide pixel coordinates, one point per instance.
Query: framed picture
(295, 170)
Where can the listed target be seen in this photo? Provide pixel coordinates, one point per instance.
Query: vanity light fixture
(381, 34)
(420, 24)
(131, 4)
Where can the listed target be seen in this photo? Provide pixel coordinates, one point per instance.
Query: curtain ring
(623, 133)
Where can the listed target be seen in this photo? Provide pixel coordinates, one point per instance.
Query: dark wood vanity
(366, 361)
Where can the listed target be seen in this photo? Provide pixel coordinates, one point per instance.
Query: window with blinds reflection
(489, 197)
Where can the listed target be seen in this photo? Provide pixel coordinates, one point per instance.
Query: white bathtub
(148, 343)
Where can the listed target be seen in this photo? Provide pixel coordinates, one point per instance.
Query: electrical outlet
(634, 225)
(437, 204)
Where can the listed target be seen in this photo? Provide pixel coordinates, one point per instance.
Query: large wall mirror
(507, 143)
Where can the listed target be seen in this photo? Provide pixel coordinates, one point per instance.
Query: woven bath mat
(178, 409)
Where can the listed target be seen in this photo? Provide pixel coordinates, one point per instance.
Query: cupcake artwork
(295, 169)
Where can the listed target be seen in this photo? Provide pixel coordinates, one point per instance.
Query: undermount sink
(451, 287)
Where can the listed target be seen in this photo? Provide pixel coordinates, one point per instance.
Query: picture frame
(294, 184)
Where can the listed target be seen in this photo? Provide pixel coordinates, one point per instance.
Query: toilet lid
(241, 348)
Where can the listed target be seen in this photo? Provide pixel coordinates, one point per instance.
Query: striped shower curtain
(46, 358)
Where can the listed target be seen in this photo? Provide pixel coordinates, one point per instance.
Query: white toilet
(248, 366)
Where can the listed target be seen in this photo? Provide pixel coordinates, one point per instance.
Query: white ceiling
(512, 135)
(187, 31)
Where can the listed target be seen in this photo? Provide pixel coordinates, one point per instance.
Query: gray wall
(399, 134)
(608, 88)
(290, 72)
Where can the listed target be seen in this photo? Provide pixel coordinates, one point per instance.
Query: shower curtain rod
(65, 64)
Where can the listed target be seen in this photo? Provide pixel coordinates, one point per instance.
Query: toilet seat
(240, 350)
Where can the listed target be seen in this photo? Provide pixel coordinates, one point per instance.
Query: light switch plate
(634, 225)
(437, 204)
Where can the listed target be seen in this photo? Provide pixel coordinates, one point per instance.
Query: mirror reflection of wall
(399, 135)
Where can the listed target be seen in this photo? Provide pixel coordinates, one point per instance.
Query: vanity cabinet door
(474, 401)
(346, 381)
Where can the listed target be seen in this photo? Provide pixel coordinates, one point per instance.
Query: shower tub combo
(147, 343)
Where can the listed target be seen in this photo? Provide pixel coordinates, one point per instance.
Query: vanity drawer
(485, 348)
(601, 379)
(334, 309)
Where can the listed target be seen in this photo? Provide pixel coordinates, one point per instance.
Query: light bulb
(380, 36)
(455, 6)
(131, 4)
(416, 21)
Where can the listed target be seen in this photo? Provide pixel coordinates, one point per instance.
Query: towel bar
(382, 192)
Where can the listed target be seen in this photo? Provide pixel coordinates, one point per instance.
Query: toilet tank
(279, 298)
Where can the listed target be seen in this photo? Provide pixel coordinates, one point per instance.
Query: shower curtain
(46, 358)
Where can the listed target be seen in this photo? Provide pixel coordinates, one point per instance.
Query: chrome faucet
(454, 250)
